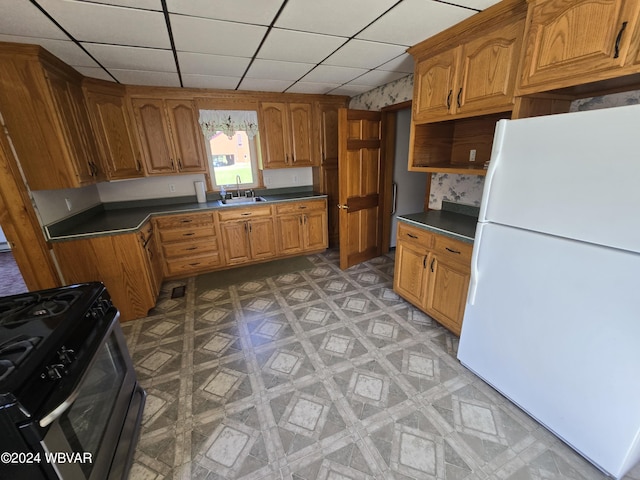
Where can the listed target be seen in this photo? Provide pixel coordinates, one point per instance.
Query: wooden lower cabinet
(432, 272)
(121, 262)
(248, 234)
(302, 227)
(189, 243)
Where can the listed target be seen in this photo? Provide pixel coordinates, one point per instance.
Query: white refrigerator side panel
(553, 324)
(574, 175)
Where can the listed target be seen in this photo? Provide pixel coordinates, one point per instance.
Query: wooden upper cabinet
(572, 42)
(488, 70)
(301, 125)
(471, 68)
(275, 135)
(188, 142)
(287, 134)
(71, 109)
(327, 115)
(170, 136)
(434, 82)
(114, 132)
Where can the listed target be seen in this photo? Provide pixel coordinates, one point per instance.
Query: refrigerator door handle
(501, 127)
(394, 187)
(473, 287)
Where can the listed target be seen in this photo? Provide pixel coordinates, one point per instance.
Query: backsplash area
(466, 188)
(55, 205)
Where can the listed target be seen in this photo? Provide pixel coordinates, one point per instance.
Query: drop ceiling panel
(97, 23)
(277, 70)
(201, 35)
(256, 84)
(65, 50)
(311, 87)
(215, 65)
(94, 72)
(298, 47)
(413, 21)
(132, 58)
(210, 81)
(402, 63)
(142, 4)
(364, 54)
(23, 18)
(139, 77)
(261, 12)
(301, 46)
(377, 77)
(331, 74)
(331, 17)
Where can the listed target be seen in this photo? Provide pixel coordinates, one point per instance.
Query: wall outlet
(295, 179)
(472, 155)
(172, 187)
(68, 202)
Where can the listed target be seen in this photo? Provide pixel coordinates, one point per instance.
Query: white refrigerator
(552, 319)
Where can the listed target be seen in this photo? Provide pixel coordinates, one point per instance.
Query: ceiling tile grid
(297, 46)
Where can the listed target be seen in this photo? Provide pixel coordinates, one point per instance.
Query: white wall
(51, 205)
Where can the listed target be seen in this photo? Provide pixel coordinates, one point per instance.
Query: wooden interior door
(21, 227)
(360, 169)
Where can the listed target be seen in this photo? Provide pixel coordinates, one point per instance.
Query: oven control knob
(66, 355)
(53, 372)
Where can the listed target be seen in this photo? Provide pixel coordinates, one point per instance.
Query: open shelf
(447, 146)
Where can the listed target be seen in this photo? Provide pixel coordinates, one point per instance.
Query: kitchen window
(232, 142)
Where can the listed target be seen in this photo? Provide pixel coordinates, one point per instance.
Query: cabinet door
(327, 115)
(262, 238)
(154, 135)
(275, 135)
(155, 264)
(433, 94)
(488, 70)
(116, 138)
(410, 277)
(290, 234)
(572, 42)
(448, 285)
(315, 230)
(235, 241)
(301, 128)
(72, 130)
(188, 141)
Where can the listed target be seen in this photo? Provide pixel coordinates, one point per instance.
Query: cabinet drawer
(454, 249)
(295, 207)
(182, 249)
(244, 213)
(417, 236)
(182, 221)
(183, 234)
(185, 266)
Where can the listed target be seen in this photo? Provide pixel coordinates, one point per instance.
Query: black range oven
(70, 405)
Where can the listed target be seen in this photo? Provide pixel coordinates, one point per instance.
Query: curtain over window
(228, 122)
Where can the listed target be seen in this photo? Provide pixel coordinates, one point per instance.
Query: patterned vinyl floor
(11, 282)
(323, 374)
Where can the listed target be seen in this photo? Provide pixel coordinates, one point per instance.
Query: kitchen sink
(240, 201)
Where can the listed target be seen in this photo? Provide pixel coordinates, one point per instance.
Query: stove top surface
(36, 322)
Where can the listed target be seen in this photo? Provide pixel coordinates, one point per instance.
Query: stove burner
(18, 309)
(14, 352)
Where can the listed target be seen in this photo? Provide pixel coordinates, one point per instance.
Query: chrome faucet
(238, 182)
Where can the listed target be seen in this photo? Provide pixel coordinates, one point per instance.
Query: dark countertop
(124, 217)
(449, 221)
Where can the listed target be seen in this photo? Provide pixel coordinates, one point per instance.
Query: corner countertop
(125, 217)
(455, 220)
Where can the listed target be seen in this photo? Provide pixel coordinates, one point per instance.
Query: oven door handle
(57, 412)
(60, 409)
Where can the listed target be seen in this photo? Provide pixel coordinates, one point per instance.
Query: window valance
(228, 122)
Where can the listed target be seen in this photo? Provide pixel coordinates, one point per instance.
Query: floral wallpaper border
(466, 188)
